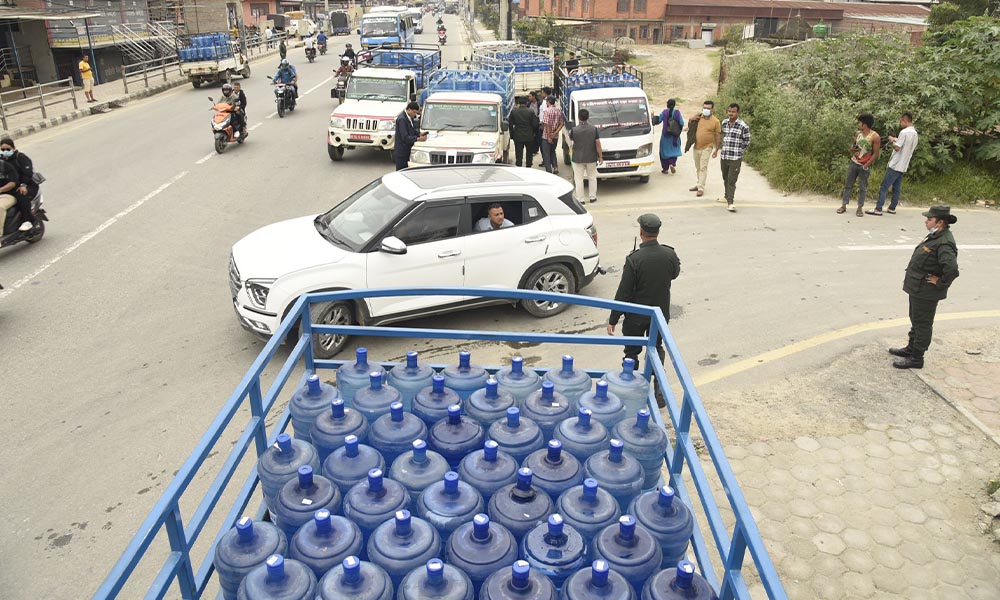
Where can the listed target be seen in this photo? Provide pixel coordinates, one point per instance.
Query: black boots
(901, 352)
(910, 361)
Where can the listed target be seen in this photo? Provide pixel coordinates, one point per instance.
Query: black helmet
(227, 88)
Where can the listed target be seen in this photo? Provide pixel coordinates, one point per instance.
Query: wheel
(336, 153)
(330, 313)
(643, 178)
(220, 142)
(566, 159)
(550, 278)
(246, 71)
(38, 233)
(281, 109)
(196, 83)
(227, 77)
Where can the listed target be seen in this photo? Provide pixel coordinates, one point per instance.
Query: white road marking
(274, 114)
(911, 246)
(205, 158)
(90, 235)
(256, 126)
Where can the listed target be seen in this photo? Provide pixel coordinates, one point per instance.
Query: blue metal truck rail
(424, 61)
(250, 414)
(486, 76)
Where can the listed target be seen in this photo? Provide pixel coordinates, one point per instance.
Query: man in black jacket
(406, 135)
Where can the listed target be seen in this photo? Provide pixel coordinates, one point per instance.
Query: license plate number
(360, 137)
(617, 163)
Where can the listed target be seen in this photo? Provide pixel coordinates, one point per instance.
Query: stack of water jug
(206, 46)
(412, 484)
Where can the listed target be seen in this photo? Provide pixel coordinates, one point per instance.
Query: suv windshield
(619, 116)
(356, 220)
(376, 88)
(459, 117)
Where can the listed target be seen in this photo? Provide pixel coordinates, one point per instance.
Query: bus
(387, 26)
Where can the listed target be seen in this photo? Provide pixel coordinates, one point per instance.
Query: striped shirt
(735, 139)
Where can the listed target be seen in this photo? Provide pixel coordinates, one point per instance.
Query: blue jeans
(860, 174)
(549, 160)
(893, 179)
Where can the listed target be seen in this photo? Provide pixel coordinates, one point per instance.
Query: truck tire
(246, 71)
(336, 153)
(643, 178)
(227, 77)
(196, 83)
(566, 159)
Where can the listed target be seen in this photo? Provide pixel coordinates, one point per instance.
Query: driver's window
(430, 224)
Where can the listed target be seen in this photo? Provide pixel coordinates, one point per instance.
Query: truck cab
(367, 117)
(462, 128)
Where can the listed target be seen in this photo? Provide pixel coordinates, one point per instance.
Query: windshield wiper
(326, 231)
(492, 127)
(446, 126)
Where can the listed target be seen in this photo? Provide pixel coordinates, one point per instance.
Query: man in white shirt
(899, 162)
(495, 220)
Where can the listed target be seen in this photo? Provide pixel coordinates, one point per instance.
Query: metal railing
(145, 70)
(38, 97)
(253, 401)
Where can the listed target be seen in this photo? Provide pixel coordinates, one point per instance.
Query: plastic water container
(354, 376)
(280, 463)
(569, 382)
(374, 401)
(480, 548)
(333, 426)
(617, 472)
(646, 442)
(630, 550)
(598, 582)
(488, 404)
(244, 548)
(629, 385)
(350, 465)
(279, 578)
(325, 541)
(588, 509)
(677, 584)
(555, 549)
(547, 408)
(417, 469)
(607, 407)
(436, 581)
(582, 436)
(668, 519)
(464, 377)
(300, 498)
(357, 580)
(518, 382)
(516, 435)
(488, 469)
(431, 403)
(520, 506)
(402, 544)
(410, 378)
(455, 436)
(308, 403)
(520, 582)
(554, 471)
(394, 433)
(372, 502)
(448, 503)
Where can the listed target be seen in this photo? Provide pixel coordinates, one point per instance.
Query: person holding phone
(406, 135)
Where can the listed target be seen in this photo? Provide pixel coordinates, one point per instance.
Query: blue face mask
(7, 153)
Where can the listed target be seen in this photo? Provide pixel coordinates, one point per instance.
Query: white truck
(533, 67)
(211, 58)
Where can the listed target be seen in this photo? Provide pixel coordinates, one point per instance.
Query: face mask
(706, 112)
(7, 153)
(933, 230)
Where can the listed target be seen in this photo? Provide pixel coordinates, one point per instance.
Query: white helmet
(284, 62)
(345, 59)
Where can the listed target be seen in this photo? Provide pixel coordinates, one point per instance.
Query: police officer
(932, 268)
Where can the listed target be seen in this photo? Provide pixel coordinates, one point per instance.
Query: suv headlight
(386, 125)
(337, 122)
(644, 150)
(257, 290)
(420, 156)
(482, 158)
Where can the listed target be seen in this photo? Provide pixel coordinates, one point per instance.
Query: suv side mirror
(570, 124)
(413, 97)
(393, 245)
(656, 119)
(359, 31)
(504, 126)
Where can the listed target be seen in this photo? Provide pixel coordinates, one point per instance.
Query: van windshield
(362, 216)
(619, 116)
(456, 116)
(376, 88)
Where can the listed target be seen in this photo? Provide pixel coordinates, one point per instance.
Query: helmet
(284, 62)
(348, 46)
(345, 59)
(227, 88)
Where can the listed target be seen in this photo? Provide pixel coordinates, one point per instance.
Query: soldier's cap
(942, 212)
(650, 222)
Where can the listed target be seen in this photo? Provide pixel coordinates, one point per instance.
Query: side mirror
(393, 245)
(359, 31)
(504, 126)
(413, 97)
(656, 119)
(570, 124)
(211, 100)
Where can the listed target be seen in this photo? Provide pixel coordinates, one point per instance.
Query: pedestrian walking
(552, 124)
(864, 153)
(269, 37)
(87, 78)
(899, 162)
(707, 140)
(670, 140)
(932, 269)
(406, 135)
(586, 155)
(282, 49)
(735, 140)
(524, 127)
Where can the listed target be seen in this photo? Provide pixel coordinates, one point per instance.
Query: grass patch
(964, 183)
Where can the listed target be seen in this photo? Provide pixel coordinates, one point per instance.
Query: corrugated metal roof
(11, 13)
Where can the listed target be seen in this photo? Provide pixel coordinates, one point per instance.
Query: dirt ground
(687, 75)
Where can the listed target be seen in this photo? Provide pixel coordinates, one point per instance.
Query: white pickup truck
(462, 128)
(367, 116)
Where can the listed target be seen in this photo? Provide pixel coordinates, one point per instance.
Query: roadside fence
(42, 96)
(145, 70)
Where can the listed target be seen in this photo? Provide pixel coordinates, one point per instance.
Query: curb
(961, 410)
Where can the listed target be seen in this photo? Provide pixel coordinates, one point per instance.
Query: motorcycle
(341, 90)
(442, 37)
(222, 127)
(12, 233)
(322, 47)
(311, 54)
(284, 97)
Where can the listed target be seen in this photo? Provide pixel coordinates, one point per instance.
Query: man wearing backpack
(670, 141)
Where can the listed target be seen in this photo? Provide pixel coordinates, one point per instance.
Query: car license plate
(360, 137)
(614, 164)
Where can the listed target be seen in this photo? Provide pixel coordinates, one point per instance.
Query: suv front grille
(234, 277)
(620, 155)
(459, 158)
(355, 124)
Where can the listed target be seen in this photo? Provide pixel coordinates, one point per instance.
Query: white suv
(415, 228)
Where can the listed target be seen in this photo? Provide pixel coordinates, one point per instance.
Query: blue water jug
(517, 436)
(480, 548)
(354, 376)
(520, 506)
(646, 442)
(310, 401)
(488, 404)
(455, 436)
(598, 582)
(488, 469)
(394, 433)
(375, 400)
(448, 503)
(547, 408)
(520, 582)
(244, 548)
(607, 407)
(403, 544)
(517, 382)
(417, 469)
(630, 550)
(677, 584)
(410, 379)
(464, 377)
(555, 549)
(617, 472)
(350, 464)
(280, 463)
(372, 502)
(436, 581)
(325, 541)
(588, 509)
(569, 382)
(300, 498)
(279, 578)
(629, 385)
(431, 403)
(668, 519)
(333, 426)
(554, 471)
(356, 579)
(582, 436)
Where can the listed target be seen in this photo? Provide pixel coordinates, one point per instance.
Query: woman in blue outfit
(670, 141)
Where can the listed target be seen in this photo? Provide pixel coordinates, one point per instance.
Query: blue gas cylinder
(280, 463)
(598, 582)
(668, 519)
(355, 579)
(547, 408)
(680, 583)
(370, 503)
(354, 376)
(517, 382)
(517, 436)
(555, 549)
(607, 407)
(488, 404)
(410, 378)
(455, 436)
(448, 503)
(312, 400)
(436, 581)
(325, 541)
(520, 582)
(488, 469)
(374, 401)
(464, 377)
(617, 472)
(629, 385)
(569, 381)
(520, 506)
(394, 433)
(402, 544)
(588, 508)
(417, 469)
(244, 548)
(554, 471)
(582, 436)
(646, 442)
(350, 464)
(300, 498)
(630, 550)
(333, 426)
(279, 578)
(431, 403)
(480, 548)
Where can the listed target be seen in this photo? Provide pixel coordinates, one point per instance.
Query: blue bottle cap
(403, 523)
(555, 451)
(275, 568)
(490, 450)
(642, 418)
(481, 527)
(451, 483)
(513, 417)
(567, 363)
(464, 359)
(555, 525)
(419, 451)
(324, 524)
(244, 529)
(352, 570)
(411, 360)
(616, 448)
(665, 497)
(590, 490)
(376, 380)
(517, 365)
(454, 414)
(685, 575)
(351, 446)
(491, 388)
(601, 392)
(583, 418)
(437, 383)
(284, 442)
(626, 527)
(313, 384)
(361, 356)
(375, 481)
(599, 573)
(435, 571)
(519, 575)
(337, 406)
(628, 368)
(396, 411)
(305, 477)
(524, 479)
(548, 390)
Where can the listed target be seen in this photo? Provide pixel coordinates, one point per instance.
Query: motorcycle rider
(17, 174)
(346, 68)
(230, 97)
(310, 44)
(321, 38)
(349, 53)
(286, 74)
(241, 97)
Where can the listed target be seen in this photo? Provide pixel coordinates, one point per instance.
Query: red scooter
(222, 127)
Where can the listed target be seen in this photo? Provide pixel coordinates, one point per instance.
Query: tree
(950, 11)
(541, 32)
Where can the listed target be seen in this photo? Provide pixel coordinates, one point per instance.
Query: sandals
(841, 210)
(859, 212)
(891, 211)
(876, 213)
